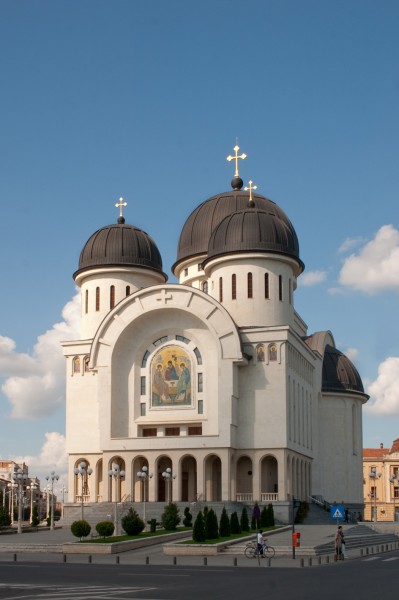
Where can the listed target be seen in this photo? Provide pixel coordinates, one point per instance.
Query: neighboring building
(214, 377)
(381, 483)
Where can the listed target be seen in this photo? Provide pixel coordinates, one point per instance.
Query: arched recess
(213, 478)
(139, 484)
(188, 479)
(244, 480)
(289, 478)
(81, 481)
(99, 481)
(164, 487)
(117, 486)
(269, 479)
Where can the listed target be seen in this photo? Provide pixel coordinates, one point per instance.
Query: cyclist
(260, 543)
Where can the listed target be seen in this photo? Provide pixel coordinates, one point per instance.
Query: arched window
(234, 287)
(97, 299)
(220, 289)
(128, 290)
(87, 301)
(267, 292)
(112, 296)
(205, 287)
(86, 364)
(250, 290)
(76, 364)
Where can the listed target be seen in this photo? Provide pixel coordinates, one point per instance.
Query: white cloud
(350, 243)
(384, 391)
(312, 278)
(351, 353)
(52, 457)
(376, 267)
(35, 385)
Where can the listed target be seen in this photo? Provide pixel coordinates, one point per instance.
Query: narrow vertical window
(250, 290)
(267, 292)
(142, 385)
(97, 299)
(290, 291)
(112, 296)
(200, 407)
(234, 287)
(87, 301)
(128, 290)
(220, 289)
(200, 382)
(280, 287)
(76, 364)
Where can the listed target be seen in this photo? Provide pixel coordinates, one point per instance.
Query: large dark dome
(254, 230)
(198, 228)
(120, 245)
(339, 373)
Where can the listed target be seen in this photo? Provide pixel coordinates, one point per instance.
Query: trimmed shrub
(105, 528)
(35, 516)
(188, 518)
(271, 515)
(132, 523)
(153, 525)
(264, 518)
(170, 518)
(199, 529)
(211, 525)
(80, 529)
(224, 525)
(244, 521)
(234, 523)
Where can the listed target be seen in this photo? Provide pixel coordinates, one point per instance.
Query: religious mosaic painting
(171, 378)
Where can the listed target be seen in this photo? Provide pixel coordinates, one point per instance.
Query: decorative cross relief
(165, 296)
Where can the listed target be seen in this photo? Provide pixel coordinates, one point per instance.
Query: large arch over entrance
(244, 480)
(117, 486)
(269, 479)
(188, 479)
(164, 488)
(213, 478)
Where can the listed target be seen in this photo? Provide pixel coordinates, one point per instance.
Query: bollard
(205, 561)
(64, 558)
(367, 550)
(117, 559)
(174, 560)
(269, 562)
(147, 560)
(302, 562)
(319, 560)
(89, 558)
(235, 561)
(15, 558)
(327, 559)
(310, 562)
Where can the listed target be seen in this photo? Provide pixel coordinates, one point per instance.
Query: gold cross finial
(250, 188)
(120, 205)
(236, 157)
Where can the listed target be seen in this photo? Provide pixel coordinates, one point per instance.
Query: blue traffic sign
(337, 512)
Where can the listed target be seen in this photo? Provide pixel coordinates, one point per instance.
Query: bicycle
(251, 551)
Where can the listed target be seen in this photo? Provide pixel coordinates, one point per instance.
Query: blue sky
(145, 100)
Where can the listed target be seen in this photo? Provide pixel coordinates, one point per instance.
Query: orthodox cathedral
(211, 388)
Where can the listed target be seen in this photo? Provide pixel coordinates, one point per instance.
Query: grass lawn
(231, 538)
(142, 535)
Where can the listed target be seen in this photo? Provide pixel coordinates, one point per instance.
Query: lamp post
(393, 480)
(32, 487)
(374, 477)
(63, 492)
(168, 477)
(19, 477)
(116, 474)
(84, 471)
(143, 475)
(51, 478)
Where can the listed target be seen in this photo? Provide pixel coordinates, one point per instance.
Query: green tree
(132, 523)
(224, 525)
(80, 529)
(244, 521)
(170, 518)
(188, 518)
(199, 529)
(35, 516)
(234, 523)
(271, 515)
(264, 518)
(105, 528)
(5, 519)
(211, 525)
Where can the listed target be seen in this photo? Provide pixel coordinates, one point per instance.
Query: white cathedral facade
(214, 380)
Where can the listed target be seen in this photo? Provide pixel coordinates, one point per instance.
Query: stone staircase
(360, 536)
(317, 516)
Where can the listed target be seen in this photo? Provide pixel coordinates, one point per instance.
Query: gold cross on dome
(250, 188)
(236, 158)
(121, 204)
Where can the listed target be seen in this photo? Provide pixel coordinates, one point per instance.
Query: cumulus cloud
(350, 243)
(35, 385)
(376, 267)
(52, 457)
(312, 278)
(384, 391)
(351, 353)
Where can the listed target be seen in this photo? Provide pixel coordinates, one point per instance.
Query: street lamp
(143, 475)
(168, 477)
(51, 478)
(393, 480)
(374, 477)
(19, 477)
(63, 492)
(116, 474)
(32, 487)
(84, 471)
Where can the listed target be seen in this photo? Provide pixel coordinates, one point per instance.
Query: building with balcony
(381, 483)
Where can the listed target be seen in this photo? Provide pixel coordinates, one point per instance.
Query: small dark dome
(254, 230)
(120, 245)
(339, 373)
(198, 228)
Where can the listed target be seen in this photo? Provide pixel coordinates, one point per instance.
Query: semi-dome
(120, 245)
(202, 222)
(254, 230)
(339, 373)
